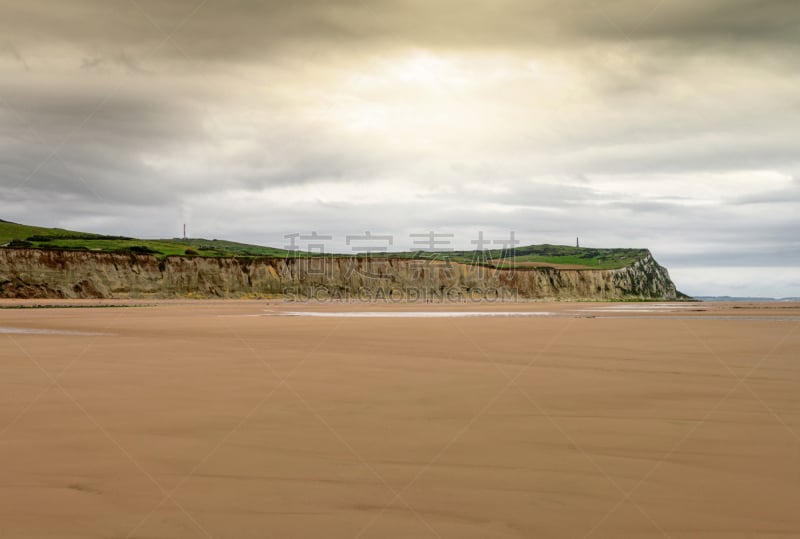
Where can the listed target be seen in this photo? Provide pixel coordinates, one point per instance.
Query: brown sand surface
(219, 419)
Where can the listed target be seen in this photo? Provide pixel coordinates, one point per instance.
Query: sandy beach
(253, 419)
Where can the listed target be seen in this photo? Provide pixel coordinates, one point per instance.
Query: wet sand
(247, 419)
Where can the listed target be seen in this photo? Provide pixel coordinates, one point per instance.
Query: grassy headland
(18, 235)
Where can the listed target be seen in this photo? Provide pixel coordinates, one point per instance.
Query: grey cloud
(121, 60)
(752, 257)
(787, 195)
(91, 143)
(8, 50)
(242, 28)
(704, 22)
(736, 151)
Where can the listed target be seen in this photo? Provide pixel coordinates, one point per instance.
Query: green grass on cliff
(17, 235)
(14, 231)
(578, 256)
(526, 257)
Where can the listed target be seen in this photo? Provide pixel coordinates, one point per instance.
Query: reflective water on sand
(739, 318)
(645, 308)
(32, 331)
(406, 314)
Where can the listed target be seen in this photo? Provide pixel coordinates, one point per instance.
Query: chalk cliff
(36, 273)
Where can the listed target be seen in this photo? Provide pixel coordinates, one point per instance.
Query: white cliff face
(34, 273)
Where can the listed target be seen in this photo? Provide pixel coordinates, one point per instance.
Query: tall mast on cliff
(184, 230)
(577, 243)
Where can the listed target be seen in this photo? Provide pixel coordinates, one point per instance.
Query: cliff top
(546, 255)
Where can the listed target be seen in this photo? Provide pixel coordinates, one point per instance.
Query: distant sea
(743, 299)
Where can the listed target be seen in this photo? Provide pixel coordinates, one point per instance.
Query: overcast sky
(667, 124)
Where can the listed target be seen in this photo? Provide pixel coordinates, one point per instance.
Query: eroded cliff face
(34, 273)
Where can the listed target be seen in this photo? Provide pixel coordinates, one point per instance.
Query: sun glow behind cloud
(422, 100)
